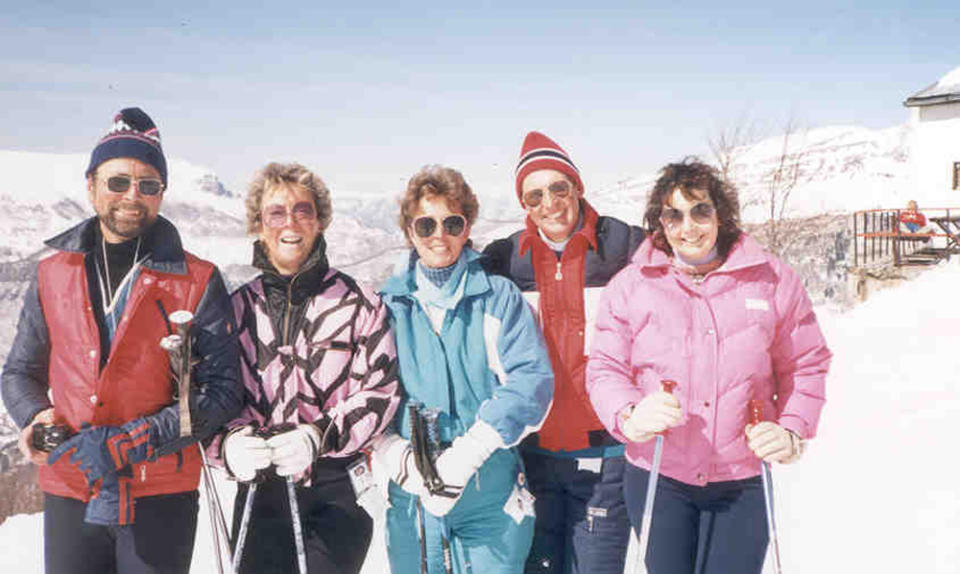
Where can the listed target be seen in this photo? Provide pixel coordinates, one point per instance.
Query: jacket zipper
(286, 313)
(559, 274)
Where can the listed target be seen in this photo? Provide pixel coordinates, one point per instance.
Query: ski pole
(423, 537)
(297, 532)
(244, 525)
(756, 416)
(218, 525)
(651, 495)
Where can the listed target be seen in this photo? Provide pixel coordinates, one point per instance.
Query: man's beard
(127, 228)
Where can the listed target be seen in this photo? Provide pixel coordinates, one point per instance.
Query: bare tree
(729, 144)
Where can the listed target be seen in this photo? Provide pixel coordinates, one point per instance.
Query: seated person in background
(912, 221)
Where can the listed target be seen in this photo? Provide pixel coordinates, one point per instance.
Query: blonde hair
(286, 174)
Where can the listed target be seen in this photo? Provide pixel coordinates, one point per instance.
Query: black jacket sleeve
(25, 382)
(218, 393)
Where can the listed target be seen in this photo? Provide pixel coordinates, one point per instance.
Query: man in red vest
(121, 492)
(561, 260)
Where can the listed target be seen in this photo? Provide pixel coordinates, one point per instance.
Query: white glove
(293, 451)
(458, 463)
(654, 414)
(393, 459)
(773, 443)
(245, 454)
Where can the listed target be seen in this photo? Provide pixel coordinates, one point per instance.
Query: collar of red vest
(531, 235)
(161, 242)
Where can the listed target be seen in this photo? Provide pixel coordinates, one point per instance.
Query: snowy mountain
(841, 169)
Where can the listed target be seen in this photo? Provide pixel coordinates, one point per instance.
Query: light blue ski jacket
(489, 360)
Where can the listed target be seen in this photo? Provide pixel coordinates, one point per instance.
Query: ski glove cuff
(102, 450)
(393, 459)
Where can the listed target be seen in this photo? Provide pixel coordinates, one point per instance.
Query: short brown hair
(437, 180)
(279, 174)
(688, 176)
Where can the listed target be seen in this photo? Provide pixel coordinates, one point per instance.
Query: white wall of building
(936, 147)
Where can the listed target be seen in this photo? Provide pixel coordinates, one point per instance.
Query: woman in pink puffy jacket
(704, 305)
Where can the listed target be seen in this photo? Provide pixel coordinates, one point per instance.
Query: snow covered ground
(877, 491)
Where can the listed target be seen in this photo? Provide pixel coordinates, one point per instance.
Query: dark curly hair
(689, 176)
(437, 180)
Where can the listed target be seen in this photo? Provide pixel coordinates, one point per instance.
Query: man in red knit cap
(561, 260)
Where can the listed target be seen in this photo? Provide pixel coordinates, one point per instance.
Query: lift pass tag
(361, 477)
(519, 504)
(593, 464)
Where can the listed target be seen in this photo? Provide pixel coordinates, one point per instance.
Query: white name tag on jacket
(758, 304)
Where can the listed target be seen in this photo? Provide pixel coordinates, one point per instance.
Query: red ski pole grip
(668, 385)
(755, 411)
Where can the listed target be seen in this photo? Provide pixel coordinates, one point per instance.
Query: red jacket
(564, 291)
(57, 351)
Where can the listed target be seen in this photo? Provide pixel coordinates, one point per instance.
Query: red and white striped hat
(540, 152)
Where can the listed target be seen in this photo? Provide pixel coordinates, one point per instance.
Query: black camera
(47, 437)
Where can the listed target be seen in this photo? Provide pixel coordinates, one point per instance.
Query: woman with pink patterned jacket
(705, 306)
(319, 366)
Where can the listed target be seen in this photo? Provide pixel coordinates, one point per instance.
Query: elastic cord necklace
(106, 269)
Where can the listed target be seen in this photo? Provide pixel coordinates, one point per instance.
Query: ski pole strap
(421, 451)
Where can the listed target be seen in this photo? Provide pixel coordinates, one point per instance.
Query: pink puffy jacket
(747, 331)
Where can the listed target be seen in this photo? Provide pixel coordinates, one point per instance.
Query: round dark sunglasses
(425, 226)
(121, 183)
(701, 214)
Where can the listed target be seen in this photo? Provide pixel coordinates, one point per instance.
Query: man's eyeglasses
(121, 183)
(701, 214)
(558, 190)
(425, 226)
(275, 216)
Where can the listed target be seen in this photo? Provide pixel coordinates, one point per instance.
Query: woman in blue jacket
(470, 353)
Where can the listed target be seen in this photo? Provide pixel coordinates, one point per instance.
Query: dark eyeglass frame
(560, 189)
(426, 225)
(148, 186)
(701, 214)
(276, 215)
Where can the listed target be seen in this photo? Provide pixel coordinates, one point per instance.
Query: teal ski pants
(484, 539)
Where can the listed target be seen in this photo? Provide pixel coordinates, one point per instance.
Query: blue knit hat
(133, 134)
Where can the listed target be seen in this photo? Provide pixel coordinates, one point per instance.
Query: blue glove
(111, 504)
(101, 451)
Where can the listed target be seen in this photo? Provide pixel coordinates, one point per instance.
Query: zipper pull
(559, 274)
(143, 473)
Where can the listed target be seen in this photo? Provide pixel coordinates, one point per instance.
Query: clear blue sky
(366, 92)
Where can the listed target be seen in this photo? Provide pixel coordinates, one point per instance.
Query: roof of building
(945, 90)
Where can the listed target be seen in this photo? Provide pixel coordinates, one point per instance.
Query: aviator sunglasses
(425, 226)
(701, 214)
(558, 190)
(275, 216)
(121, 183)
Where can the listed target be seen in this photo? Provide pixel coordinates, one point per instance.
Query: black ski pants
(336, 530)
(720, 528)
(160, 541)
